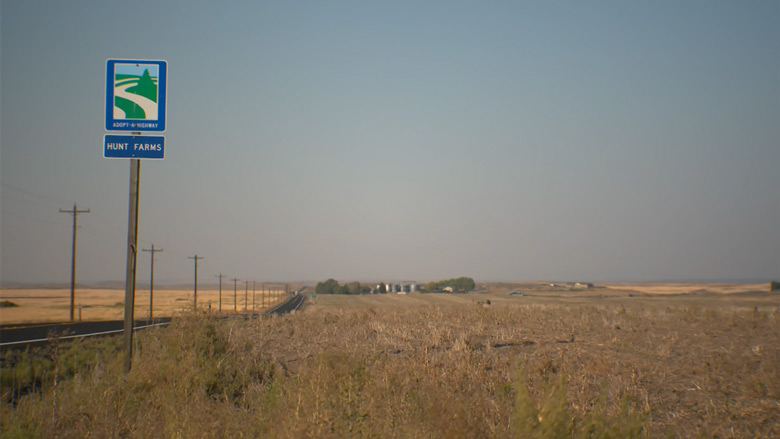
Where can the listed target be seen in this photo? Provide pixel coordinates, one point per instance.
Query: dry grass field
(53, 305)
(551, 364)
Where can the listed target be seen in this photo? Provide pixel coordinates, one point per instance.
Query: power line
(5, 212)
(49, 199)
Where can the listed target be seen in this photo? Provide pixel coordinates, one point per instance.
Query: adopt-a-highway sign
(122, 146)
(136, 94)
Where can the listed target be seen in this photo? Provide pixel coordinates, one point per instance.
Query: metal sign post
(136, 94)
(132, 241)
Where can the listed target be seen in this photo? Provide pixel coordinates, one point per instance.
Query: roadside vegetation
(465, 371)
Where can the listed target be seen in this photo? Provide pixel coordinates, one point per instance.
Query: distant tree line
(331, 286)
(461, 284)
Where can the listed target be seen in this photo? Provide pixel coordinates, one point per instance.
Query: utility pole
(253, 296)
(195, 297)
(246, 296)
(235, 288)
(151, 281)
(75, 213)
(220, 290)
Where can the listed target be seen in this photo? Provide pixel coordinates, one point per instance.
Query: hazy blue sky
(401, 140)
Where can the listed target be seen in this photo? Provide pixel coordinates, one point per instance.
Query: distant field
(689, 288)
(743, 296)
(46, 305)
(53, 305)
(627, 289)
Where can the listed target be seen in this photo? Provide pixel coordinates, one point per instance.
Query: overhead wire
(55, 201)
(95, 224)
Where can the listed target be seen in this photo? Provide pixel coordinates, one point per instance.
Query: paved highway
(19, 336)
(289, 305)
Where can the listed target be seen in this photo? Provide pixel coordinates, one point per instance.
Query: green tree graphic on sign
(143, 86)
(146, 87)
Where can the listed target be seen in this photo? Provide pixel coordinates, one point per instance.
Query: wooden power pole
(246, 296)
(75, 213)
(220, 276)
(235, 289)
(151, 281)
(195, 295)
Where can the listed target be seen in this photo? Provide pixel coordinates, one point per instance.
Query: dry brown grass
(436, 367)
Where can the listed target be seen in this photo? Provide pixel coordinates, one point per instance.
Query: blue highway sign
(136, 92)
(116, 146)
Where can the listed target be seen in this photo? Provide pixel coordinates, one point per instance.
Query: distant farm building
(406, 287)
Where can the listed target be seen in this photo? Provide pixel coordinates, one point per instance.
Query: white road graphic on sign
(149, 106)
